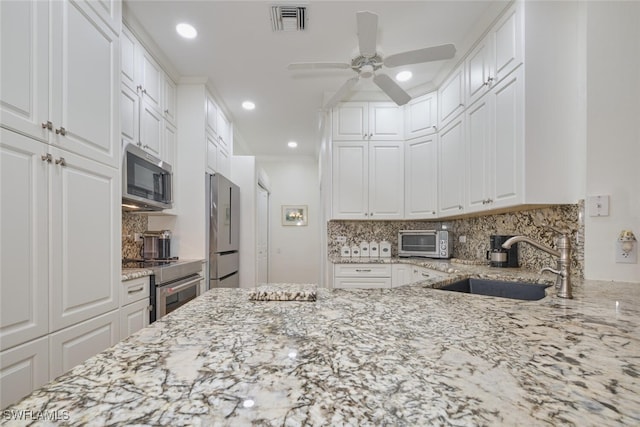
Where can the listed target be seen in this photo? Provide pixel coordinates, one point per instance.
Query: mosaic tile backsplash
(477, 231)
(132, 223)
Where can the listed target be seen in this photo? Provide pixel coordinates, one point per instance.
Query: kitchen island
(404, 356)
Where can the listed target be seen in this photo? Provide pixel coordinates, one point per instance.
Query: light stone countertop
(134, 273)
(403, 356)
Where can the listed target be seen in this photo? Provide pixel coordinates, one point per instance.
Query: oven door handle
(172, 289)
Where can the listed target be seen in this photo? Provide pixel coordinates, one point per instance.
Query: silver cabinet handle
(133, 291)
(144, 91)
(47, 125)
(138, 88)
(145, 146)
(361, 270)
(366, 214)
(62, 131)
(371, 214)
(47, 158)
(434, 127)
(166, 111)
(425, 275)
(433, 212)
(61, 161)
(150, 307)
(459, 207)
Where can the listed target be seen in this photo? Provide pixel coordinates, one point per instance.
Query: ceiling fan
(369, 61)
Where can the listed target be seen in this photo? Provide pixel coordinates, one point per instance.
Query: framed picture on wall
(294, 215)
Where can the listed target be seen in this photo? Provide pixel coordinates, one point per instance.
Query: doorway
(263, 235)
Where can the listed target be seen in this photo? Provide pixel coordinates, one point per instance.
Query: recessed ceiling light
(292, 144)
(403, 76)
(248, 105)
(186, 30)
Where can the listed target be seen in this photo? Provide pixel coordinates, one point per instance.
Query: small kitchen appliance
(499, 256)
(156, 245)
(146, 181)
(425, 243)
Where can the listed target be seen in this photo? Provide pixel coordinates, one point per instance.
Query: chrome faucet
(563, 273)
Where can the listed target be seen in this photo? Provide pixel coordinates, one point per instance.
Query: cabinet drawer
(134, 290)
(362, 282)
(362, 270)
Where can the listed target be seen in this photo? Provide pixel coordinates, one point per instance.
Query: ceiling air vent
(288, 18)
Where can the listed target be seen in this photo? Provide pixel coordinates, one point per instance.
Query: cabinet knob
(47, 158)
(138, 88)
(433, 212)
(61, 161)
(150, 308)
(166, 111)
(61, 131)
(47, 125)
(145, 146)
(459, 207)
(366, 214)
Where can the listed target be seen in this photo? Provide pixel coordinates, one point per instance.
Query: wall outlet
(137, 237)
(630, 257)
(341, 239)
(462, 239)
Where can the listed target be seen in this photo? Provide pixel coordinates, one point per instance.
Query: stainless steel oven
(175, 294)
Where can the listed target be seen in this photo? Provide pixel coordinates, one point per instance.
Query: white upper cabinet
(479, 75)
(129, 73)
(211, 114)
(129, 116)
(366, 179)
(367, 121)
(451, 97)
(451, 173)
(24, 67)
(224, 131)
(421, 178)
(82, 77)
(109, 11)
(479, 160)
(507, 38)
(151, 128)
(151, 84)
(420, 116)
(169, 100)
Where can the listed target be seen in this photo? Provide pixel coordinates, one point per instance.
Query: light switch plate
(598, 205)
(341, 239)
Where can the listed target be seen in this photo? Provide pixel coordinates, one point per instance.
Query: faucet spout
(516, 239)
(563, 280)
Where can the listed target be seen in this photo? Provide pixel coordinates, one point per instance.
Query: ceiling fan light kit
(370, 61)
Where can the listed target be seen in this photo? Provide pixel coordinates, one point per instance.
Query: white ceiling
(245, 60)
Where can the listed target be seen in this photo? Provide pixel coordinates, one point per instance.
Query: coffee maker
(156, 245)
(499, 256)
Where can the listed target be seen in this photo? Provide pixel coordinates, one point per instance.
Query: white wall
(244, 174)
(294, 251)
(613, 133)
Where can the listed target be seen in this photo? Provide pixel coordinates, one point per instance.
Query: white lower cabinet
(363, 276)
(72, 346)
(419, 274)
(401, 274)
(134, 306)
(23, 369)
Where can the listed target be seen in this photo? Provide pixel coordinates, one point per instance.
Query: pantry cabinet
(366, 179)
(421, 178)
(55, 57)
(451, 102)
(368, 121)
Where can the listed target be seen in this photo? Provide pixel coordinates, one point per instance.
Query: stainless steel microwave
(425, 243)
(147, 182)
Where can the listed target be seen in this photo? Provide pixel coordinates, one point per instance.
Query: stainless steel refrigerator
(223, 204)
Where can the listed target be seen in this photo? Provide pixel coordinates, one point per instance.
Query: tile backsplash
(131, 224)
(477, 231)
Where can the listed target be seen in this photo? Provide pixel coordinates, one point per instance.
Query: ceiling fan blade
(433, 53)
(392, 89)
(337, 97)
(367, 33)
(318, 66)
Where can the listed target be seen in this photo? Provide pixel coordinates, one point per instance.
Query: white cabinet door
(421, 178)
(134, 317)
(129, 73)
(508, 43)
(385, 122)
(223, 131)
(479, 162)
(420, 116)
(24, 282)
(350, 162)
(451, 170)
(72, 346)
(211, 111)
(507, 180)
(24, 67)
(85, 239)
(110, 12)
(129, 116)
(152, 81)
(85, 83)
(400, 275)
(224, 162)
(212, 153)
(22, 370)
(451, 97)
(479, 73)
(386, 178)
(151, 128)
(169, 100)
(350, 121)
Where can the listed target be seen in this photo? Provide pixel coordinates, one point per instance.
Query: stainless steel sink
(498, 288)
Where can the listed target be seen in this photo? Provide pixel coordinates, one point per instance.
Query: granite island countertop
(403, 356)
